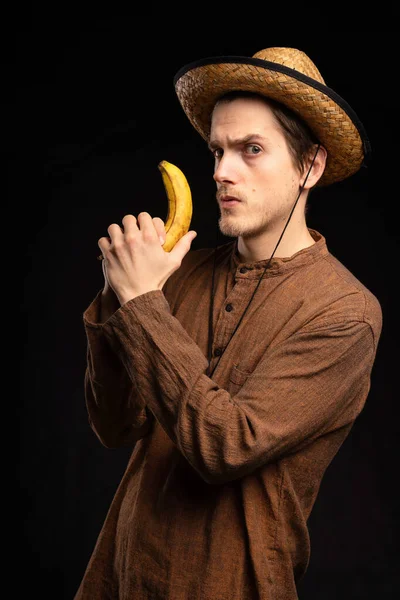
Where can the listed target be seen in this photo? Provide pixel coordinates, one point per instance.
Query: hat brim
(199, 84)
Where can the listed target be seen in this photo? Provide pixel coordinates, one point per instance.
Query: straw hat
(289, 76)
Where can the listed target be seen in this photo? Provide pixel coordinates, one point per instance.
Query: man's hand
(134, 261)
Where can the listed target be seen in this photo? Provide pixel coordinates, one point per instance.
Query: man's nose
(224, 170)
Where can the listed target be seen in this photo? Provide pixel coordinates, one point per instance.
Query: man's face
(257, 181)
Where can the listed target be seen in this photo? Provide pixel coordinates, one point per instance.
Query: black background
(90, 110)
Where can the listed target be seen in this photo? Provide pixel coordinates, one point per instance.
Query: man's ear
(317, 169)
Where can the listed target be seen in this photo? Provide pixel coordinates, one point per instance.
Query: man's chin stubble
(230, 230)
(235, 230)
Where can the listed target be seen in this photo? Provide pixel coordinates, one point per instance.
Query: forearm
(116, 411)
(279, 409)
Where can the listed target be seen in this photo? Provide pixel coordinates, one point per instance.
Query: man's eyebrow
(251, 137)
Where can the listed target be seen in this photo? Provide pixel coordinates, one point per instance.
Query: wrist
(124, 297)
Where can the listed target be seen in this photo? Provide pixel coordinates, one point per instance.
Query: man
(234, 373)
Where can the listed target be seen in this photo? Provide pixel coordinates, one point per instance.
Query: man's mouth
(228, 201)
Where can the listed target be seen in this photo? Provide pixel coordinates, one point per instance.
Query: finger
(104, 244)
(115, 232)
(129, 223)
(147, 226)
(159, 226)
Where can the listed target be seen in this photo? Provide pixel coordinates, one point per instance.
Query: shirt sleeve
(117, 413)
(313, 383)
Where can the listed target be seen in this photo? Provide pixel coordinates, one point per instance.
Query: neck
(260, 247)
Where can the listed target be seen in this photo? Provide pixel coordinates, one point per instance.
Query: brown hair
(299, 137)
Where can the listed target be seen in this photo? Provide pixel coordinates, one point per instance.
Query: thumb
(182, 246)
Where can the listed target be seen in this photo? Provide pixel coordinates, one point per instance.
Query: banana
(180, 206)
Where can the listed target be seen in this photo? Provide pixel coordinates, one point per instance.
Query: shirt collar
(277, 266)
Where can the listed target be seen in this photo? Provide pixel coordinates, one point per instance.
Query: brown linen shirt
(225, 470)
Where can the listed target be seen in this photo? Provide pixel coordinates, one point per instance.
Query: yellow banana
(180, 206)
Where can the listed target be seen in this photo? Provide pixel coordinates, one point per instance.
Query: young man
(234, 373)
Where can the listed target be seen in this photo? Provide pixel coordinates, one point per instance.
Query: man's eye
(217, 153)
(252, 149)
